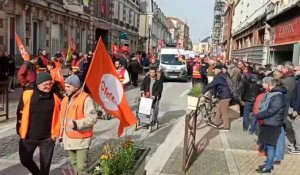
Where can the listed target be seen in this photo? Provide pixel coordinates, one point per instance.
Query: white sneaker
(291, 146)
(11, 90)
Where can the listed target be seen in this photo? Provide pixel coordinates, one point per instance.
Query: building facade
(249, 34)
(284, 26)
(125, 23)
(46, 25)
(203, 47)
(181, 32)
(216, 35)
(153, 26)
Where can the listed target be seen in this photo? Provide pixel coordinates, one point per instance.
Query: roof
(169, 24)
(205, 40)
(179, 21)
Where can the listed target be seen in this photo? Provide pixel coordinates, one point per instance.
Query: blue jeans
(271, 149)
(247, 110)
(280, 147)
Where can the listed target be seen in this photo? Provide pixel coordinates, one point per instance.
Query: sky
(197, 13)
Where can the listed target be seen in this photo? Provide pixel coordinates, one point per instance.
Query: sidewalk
(221, 153)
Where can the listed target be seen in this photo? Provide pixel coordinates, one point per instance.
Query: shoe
(261, 167)
(263, 171)
(11, 91)
(212, 124)
(294, 151)
(290, 146)
(276, 162)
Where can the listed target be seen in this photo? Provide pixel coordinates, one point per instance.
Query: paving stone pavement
(224, 153)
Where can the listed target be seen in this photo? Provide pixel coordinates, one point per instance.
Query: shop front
(285, 41)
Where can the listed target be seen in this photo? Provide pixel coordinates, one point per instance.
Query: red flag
(22, 49)
(106, 88)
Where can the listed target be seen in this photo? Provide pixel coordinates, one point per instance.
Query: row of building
(260, 31)
(50, 24)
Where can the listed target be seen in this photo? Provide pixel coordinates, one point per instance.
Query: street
(172, 110)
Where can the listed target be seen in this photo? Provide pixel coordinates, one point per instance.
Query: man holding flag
(78, 116)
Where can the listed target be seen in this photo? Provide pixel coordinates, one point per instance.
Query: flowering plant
(117, 160)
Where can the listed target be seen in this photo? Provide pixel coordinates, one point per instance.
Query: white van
(171, 66)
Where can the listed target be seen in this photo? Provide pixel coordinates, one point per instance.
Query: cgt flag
(106, 88)
(22, 49)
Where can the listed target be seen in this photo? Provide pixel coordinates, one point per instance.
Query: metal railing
(4, 99)
(190, 136)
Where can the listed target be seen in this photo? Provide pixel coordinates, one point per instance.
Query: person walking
(271, 111)
(11, 72)
(38, 124)
(294, 148)
(122, 73)
(134, 69)
(78, 116)
(4, 63)
(27, 73)
(249, 91)
(220, 87)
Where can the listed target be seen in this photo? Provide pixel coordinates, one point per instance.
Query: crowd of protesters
(268, 98)
(55, 108)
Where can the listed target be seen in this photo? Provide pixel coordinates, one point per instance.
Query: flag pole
(88, 72)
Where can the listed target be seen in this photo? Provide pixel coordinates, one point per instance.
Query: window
(1, 23)
(261, 36)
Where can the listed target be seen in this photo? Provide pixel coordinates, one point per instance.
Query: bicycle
(207, 107)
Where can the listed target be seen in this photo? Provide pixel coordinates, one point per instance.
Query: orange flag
(106, 88)
(22, 49)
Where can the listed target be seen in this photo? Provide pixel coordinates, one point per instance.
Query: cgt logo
(111, 92)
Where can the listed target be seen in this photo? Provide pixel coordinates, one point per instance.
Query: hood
(281, 89)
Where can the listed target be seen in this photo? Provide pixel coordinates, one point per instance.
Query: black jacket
(251, 88)
(40, 115)
(295, 104)
(156, 89)
(4, 65)
(134, 66)
(275, 111)
(219, 86)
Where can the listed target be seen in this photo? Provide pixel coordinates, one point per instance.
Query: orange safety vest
(196, 71)
(26, 111)
(122, 75)
(74, 111)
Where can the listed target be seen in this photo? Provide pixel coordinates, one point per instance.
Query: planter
(139, 167)
(192, 102)
(210, 79)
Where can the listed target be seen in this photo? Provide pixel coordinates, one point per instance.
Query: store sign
(287, 32)
(73, 5)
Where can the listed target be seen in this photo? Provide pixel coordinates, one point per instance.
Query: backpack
(234, 88)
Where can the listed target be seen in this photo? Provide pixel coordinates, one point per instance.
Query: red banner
(22, 49)
(287, 32)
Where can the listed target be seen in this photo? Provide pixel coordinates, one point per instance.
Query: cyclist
(220, 87)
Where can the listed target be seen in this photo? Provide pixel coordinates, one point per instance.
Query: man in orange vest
(38, 124)
(78, 116)
(196, 75)
(123, 73)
